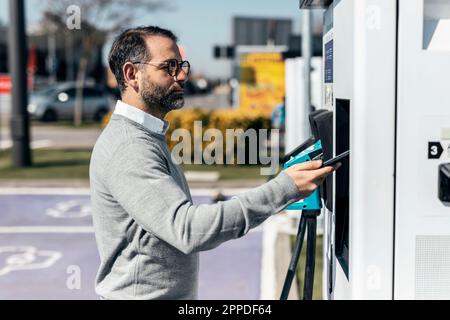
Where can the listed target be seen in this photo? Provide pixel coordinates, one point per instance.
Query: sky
(199, 25)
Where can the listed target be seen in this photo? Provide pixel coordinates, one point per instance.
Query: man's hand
(308, 175)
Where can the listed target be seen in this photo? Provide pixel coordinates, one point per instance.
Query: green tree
(94, 20)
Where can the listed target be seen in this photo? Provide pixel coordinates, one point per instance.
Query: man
(148, 231)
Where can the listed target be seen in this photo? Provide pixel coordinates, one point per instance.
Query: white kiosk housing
(387, 80)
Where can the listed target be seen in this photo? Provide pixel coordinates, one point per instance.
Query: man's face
(158, 88)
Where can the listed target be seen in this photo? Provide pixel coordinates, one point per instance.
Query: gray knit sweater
(147, 229)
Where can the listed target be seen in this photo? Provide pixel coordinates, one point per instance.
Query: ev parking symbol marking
(16, 258)
(69, 209)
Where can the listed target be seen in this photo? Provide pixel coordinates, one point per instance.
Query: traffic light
(230, 51)
(217, 52)
(224, 52)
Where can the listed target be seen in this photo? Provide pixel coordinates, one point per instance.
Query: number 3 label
(434, 150)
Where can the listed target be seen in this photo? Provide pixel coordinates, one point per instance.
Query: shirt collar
(145, 119)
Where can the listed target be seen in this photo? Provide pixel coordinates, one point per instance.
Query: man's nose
(181, 76)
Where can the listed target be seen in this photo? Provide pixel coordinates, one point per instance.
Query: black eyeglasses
(172, 66)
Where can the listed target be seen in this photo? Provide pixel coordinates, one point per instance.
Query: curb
(84, 183)
(276, 257)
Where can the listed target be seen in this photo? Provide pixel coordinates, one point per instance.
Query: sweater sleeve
(138, 178)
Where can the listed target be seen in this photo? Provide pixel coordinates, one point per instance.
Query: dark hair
(130, 46)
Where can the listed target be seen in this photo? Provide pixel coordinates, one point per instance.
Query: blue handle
(311, 202)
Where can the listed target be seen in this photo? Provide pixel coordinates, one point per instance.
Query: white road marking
(45, 191)
(27, 258)
(41, 144)
(85, 191)
(6, 144)
(69, 209)
(62, 229)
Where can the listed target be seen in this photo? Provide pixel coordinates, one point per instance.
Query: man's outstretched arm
(143, 186)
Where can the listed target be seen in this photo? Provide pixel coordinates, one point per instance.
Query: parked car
(197, 85)
(58, 102)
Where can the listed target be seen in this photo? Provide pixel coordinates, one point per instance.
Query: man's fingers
(308, 165)
(309, 175)
(323, 172)
(337, 165)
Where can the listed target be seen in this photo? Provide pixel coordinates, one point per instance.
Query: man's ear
(130, 75)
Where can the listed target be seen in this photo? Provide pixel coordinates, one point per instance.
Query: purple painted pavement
(44, 265)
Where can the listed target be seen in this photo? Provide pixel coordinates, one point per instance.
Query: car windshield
(45, 92)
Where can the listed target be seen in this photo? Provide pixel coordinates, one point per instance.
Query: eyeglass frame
(177, 71)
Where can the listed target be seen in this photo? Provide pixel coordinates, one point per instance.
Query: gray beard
(156, 97)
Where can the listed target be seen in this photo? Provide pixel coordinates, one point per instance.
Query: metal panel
(364, 73)
(423, 113)
(432, 263)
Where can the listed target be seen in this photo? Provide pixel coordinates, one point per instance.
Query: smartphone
(339, 158)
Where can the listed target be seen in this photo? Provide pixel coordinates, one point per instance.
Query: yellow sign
(262, 81)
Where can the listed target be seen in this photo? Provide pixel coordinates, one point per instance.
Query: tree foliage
(98, 20)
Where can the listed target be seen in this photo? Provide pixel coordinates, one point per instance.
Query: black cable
(294, 260)
(310, 258)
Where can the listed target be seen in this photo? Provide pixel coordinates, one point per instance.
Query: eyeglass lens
(173, 66)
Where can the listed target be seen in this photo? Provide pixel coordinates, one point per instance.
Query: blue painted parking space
(233, 270)
(48, 266)
(48, 251)
(47, 210)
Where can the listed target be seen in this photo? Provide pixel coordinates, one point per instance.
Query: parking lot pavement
(56, 137)
(48, 251)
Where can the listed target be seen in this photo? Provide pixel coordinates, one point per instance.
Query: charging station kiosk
(386, 80)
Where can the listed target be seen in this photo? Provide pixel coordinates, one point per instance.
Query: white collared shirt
(143, 118)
